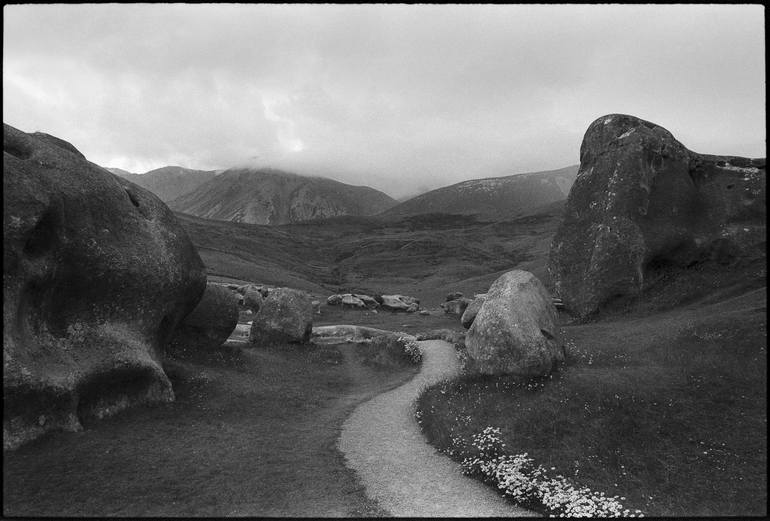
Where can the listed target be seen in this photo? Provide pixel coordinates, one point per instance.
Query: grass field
(424, 256)
(667, 409)
(251, 433)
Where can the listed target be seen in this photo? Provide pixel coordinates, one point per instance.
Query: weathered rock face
(286, 315)
(352, 301)
(208, 325)
(469, 315)
(97, 273)
(641, 199)
(252, 299)
(261, 289)
(356, 300)
(399, 303)
(455, 307)
(368, 301)
(515, 330)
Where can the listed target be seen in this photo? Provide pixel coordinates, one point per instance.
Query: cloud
(395, 96)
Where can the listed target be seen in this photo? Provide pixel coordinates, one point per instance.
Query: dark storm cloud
(398, 97)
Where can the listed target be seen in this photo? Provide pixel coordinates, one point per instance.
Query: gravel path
(383, 443)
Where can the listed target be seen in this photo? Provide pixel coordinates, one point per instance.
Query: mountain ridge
(492, 197)
(271, 196)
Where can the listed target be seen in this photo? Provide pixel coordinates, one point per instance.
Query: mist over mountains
(273, 197)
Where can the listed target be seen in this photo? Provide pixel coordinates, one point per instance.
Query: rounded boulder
(515, 330)
(97, 273)
(286, 315)
(209, 325)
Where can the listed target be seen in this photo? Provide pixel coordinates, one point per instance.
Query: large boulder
(208, 325)
(642, 200)
(286, 315)
(515, 330)
(455, 307)
(469, 315)
(97, 273)
(252, 298)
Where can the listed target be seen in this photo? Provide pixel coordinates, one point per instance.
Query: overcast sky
(402, 98)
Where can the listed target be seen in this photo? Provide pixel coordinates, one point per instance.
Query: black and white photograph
(384, 260)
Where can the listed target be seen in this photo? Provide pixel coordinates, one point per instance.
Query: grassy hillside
(425, 256)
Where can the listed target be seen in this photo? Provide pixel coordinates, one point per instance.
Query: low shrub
(390, 350)
(449, 335)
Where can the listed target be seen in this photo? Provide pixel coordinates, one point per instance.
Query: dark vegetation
(252, 433)
(420, 255)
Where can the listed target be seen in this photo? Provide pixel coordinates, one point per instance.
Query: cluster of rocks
(388, 302)
(353, 300)
(100, 284)
(455, 304)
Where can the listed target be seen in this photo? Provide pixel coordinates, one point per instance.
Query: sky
(403, 98)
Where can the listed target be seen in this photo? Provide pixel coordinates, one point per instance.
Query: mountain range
(493, 197)
(168, 182)
(270, 196)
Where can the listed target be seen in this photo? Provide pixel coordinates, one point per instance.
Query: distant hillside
(426, 255)
(120, 172)
(268, 196)
(168, 182)
(494, 197)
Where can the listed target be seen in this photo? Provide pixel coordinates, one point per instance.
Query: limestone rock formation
(515, 330)
(252, 299)
(357, 300)
(399, 303)
(640, 200)
(208, 325)
(342, 334)
(455, 307)
(469, 315)
(286, 315)
(368, 301)
(352, 301)
(97, 273)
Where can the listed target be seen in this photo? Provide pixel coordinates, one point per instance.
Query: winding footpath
(383, 443)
